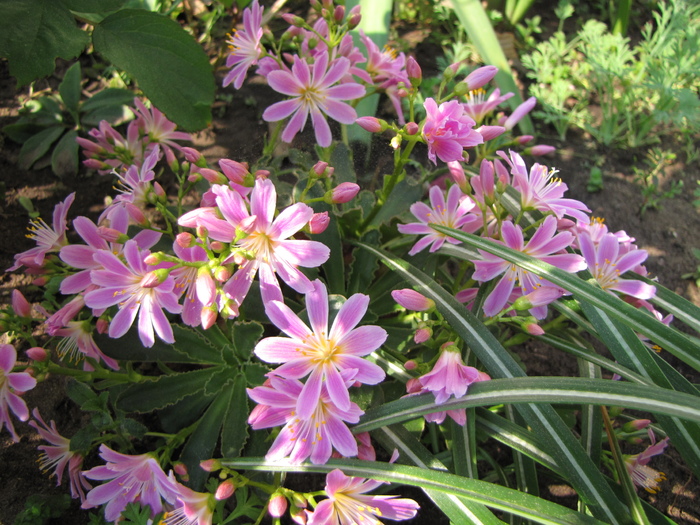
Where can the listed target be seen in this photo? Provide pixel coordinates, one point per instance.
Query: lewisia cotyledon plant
(11, 383)
(322, 354)
(448, 130)
(245, 46)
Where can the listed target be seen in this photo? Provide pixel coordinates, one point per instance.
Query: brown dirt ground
(668, 234)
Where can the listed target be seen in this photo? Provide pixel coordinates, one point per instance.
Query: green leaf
(108, 97)
(80, 393)
(38, 145)
(671, 340)
(201, 346)
(560, 390)
(491, 495)
(202, 442)
(129, 348)
(579, 469)
(69, 88)
(245, 335)
(64, 159)
(93, 11)
(234, 433)
(170, 67)
(163, 390)
(34, 33)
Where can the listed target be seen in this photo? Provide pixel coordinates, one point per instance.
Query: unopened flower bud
(354, 18)
(413, 385)
(181, 470)
(410, 364)
(185, 240)
(320, 168)
(402, 92)
(102, 325)
(451, 70)
(37, 353)
(343, 192)
(457, 174)
(371, 124)
(523, 139)
(414, 72)
(277, 505)
(154, 278)
(635, 425)
(412, 300)
(461, 89)
(112, 235)
(222, 274)
(202, 232)
(40, 281)
(395, 142)
(411, 128)
(225, 490)
(634, 440)
(540, 149)
(210, 465)
(480, 77)
(20, 305)
(262, 174)
(293, 20)
(422, 335)
(299, 516)
(96, 164)
(339, 13)
(208, 317)
(193, 156)
(541, 296)
(531, 327)
(213, 176)
(319, 222)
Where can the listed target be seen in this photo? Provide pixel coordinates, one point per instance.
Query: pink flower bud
(522, 110)
(293, 20)
(319, 222)
(154, 278)
(480, 77)
(482, 376)
(354, 18)
(112, 235)
(457, 173)
(320, 168)
(208, 317)
(412, 300)
(422, 335)
(213, 176)
(411, 128)
(201, 232)
(540, 149)
(414, 72)
(181, 470)
(96, 164)
(410, 365)
(539, 297)
(210, 465)
(40, 281)
(339, 13)
(344, 192)
(20, 305)
(501, 174)
(102, 326)
(401, 92)
(225, 490)
(371, 124)
(222, 274)
(486, 178)
(217, 246)
(37, 353)
(192, 156)
(262, 174)
(413, 385)
(234, 171)
(490, 132)
(185, 240)
(158, 190)
(635, 425)
(523, 139)
(300, 516)
(277, 506)
(533, 328)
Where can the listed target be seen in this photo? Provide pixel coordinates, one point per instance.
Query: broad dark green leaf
(200, 345)
(245, 335)
(64, 159)
(69, 88)
(34, 33)
(108, 97)
(38, 145)
(170, 67)
(164, 390)
(234, 433)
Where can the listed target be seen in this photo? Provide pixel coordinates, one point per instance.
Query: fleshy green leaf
(234, 433)
(64, 159)
(491, 495)
(170, 67)
(70, 88)
(245, 335)
(38, 145)
(34, 33)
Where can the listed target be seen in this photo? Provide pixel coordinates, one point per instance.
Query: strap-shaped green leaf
(491, 495)
(671, 340)
(560, 390)
(170, 67)
(580, 470)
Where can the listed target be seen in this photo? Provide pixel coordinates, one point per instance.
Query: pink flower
(77, 340)
(11, 384)
(320, 354)
(20, 305)
(348, 503)
(313, 92)
(448, 130)
(267, 245)
(607, 261)
(130, 286)
(245, 46)
(478, 106)
(158, 129)
(454, 213)
(544, 245)
(191, 508)
(313, 435)
(195, 283)
(58, 456)
(48, 238)
(449, 376)
(643, 475)
(133, 479)
(519, 112)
